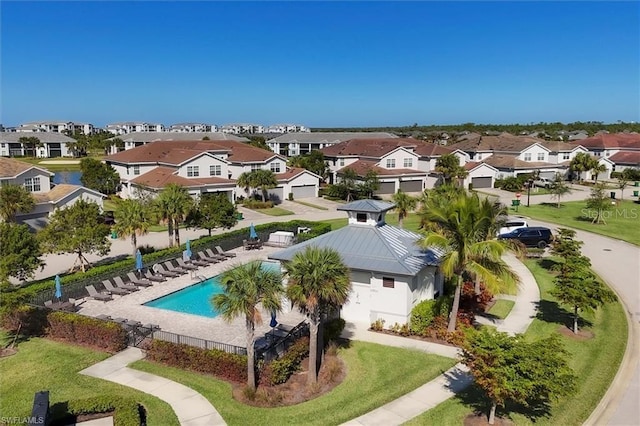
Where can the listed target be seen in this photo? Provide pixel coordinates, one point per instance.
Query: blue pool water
(196, 299)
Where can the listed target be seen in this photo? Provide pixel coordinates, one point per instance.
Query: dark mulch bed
(581, 335)
(482, 420)
(415, 337)
(296, 390)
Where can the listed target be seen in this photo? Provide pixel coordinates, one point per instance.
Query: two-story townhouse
(300, 143)
(37, 181)
(135, 139)
(622, 150)
(53, 144)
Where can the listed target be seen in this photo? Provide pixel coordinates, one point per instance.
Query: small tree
(19, 252)
(348, 183)
(599, 202)
(14, 199)
(212, 211)
(622, 184)
(76, 229)
(449, 166)
(404, 204)
(370, 184)
(559, 188)
(566, 247)
(510, 369)
(99, 176)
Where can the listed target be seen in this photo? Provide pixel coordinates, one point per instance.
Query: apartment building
(126, 127)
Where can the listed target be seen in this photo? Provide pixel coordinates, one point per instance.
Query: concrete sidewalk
(455, 379)
(191, 408)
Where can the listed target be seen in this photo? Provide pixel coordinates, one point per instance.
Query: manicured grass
(275, 211)
(595, 361)
(622, 220)
(109, 205)
(376, 375)
(501, 308)
(304, 203)
(54, 167)
(44, 364)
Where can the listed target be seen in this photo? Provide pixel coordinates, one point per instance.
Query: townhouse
(135, 139)
(206, 166)
(300, 143)
(52, 144)
(621, 149)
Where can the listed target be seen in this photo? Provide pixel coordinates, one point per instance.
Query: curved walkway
(455, 379)
(191, 408)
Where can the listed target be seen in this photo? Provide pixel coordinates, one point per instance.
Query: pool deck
(131, 306)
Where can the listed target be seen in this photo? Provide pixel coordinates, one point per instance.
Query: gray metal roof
(329, 137)
(177, 136)
(54, 137)
(384, 249)
(367, 206)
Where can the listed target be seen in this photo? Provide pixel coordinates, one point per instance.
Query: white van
(512, 225)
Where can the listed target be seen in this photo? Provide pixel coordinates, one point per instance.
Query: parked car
(543, 182)
(532, 236)
(511, 225)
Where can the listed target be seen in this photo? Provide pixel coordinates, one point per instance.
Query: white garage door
(481, 182)
(276, 194)
(308, 191)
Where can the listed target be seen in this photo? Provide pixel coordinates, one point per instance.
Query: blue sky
(323, 64)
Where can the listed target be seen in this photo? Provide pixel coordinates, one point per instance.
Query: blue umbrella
(188, 250)
(273, 322)
(252, 233)
(138, 261)
(58, 288)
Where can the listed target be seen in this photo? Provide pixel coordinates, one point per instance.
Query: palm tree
(245, 287)
(404, 203)
(175, 203)
(462, 229)
(244, 181)
(131, 220)
(582, 162)
(596, 169)
(30, 143)
(264, 180)
(162, 210)
(318, 279)
(14, 199)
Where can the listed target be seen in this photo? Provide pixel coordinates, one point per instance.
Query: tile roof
(377, 148)
(611, 140)
(504, 142)
(177, 152)
(60, 191)
(162, 176)
(628, 158)
(361, 167)
(512, 162)
(292, 173)
(329, 137)
(558, 146)
(384, 249)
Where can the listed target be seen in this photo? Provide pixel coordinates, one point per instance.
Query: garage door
(276, 194)
(481, 182)
(386, 188)
(548, 175)
(411, 186)
(308, 191)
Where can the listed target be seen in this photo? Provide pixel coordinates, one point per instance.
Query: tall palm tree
(131, 221)
(596, 169)
(176, 203)
(463, 230)
(318, 279)
(404, 204)
(14, 199)
(246, 287)
(244, 181)
(162, 210)
(264, 180)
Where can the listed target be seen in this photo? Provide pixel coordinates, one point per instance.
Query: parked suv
(543, 182)
(533, 236)
(512, 225)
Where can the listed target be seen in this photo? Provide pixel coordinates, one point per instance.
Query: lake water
(72, 178)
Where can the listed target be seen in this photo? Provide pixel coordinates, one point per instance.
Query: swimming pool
(196, 299)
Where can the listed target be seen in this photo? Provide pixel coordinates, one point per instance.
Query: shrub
(209, 361)
(423, 313)
(279, 371)
(472, 303)
(29, 320)
(332, 329)
(257, 204)
(377, 325)
(331, 370)
(126, 412)
(290, 196)
(87, 331)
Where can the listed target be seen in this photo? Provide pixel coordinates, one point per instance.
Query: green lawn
(376, 375)
(622, 221)
(275, 211)
(304, 203)
(595, 362)
(501, 308)
(60, 167)
(109, 205)
(44, 364)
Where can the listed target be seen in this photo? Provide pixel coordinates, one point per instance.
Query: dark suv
(533, 236)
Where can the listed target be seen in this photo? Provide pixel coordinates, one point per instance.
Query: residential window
(565, 155)
(275, 167)
(541, 156)
(388, 282)
(527, 156)
(215, 170)
(341, 162)
(408, 162)
(193, 171)
(32, 184)
(255, 167)
(361, 217)
(136, 170)
(391, 163)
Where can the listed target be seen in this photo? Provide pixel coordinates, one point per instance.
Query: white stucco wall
(534, 150)
(45, 180)
(399, 155)
(203, 162)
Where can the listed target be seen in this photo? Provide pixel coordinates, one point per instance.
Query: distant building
(125, 127)
(292, 144)
(66, 127)
(193, 127)
(242, 128)
(135, 139)
(53, 145)
(287, 128)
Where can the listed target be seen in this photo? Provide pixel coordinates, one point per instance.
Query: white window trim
(391, 163)
(193, 171)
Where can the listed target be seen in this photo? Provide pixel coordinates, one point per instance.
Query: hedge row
(75, 283)
(126, 412)
(209, 361)
(85, 330)
(279, 371)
